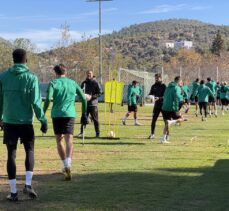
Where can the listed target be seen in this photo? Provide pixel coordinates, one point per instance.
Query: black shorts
(181, 104)
(211, 99)
(170, 115)
(12, 132)
(132, 108)
(195, 99)
(63, 125)
(186, 101)
(224, 102)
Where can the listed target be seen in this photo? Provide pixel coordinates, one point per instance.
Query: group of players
(171, 99)
(20, 98)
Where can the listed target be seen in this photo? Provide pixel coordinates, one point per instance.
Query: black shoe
(97, 135)
(12, 197)
(28, 190)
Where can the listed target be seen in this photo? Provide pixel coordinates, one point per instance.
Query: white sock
(69, 161)
(65, 161)
(125, 118)
(135, 121)
(28, 177)
(172, 122)
(13, 185)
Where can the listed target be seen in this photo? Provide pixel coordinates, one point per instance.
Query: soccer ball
(111, 134)
(150, 99)
(88, 97)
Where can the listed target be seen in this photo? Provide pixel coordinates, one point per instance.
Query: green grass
(190, 173)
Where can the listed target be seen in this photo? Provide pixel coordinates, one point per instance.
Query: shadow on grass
(110, 143)
(164, 189)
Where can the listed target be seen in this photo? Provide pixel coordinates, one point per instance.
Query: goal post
(144, 78)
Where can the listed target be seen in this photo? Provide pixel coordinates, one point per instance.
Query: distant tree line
(137, 47)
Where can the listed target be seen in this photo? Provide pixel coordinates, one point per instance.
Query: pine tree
(217, 44)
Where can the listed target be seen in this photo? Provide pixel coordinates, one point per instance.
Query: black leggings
(203, 105)
(93, 111)
(156, 113)
(29, 159)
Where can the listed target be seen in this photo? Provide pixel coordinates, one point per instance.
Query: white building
(184, 44)
(169, 45)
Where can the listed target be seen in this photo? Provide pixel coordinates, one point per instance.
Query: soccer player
(170, 107)
(186, 90)
(133, 94)
(203, 93)
(212, 99)
(157, 90)
(223, 96)
(218, 85)
(63, 91)
(195, 85)
(19, 97)
(181, 103)
(92, 90)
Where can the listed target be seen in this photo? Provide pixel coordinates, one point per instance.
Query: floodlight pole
(100, 38)
(100, 44)
(217, 73)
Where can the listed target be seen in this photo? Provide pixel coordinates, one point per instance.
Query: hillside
(139, 46)
(144, 42)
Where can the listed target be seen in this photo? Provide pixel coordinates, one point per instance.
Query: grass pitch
(133, 173)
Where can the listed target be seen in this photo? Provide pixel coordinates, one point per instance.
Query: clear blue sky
(40, 20)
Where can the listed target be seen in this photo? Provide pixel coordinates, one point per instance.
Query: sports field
(133, 173)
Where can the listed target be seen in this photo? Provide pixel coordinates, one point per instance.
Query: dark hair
(134, 82)
(202, 82)
(177, 78)
(209, 79)
(197, 79)
(157, 75)
(60, 69)
(19, 56)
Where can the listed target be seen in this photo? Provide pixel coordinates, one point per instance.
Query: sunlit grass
(131, 173)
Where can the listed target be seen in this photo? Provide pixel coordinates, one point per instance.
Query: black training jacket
(92, 88)
(158, 90)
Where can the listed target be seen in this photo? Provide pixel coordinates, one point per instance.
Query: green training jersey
(172, 97)
(203, 93)
(195, 86)
(212, 85)
(133, 92)
(20, 96)
(63, 92)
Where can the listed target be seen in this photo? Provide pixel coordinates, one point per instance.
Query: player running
(195, 85)
(212, 99)
(63, 91)
(170, 108)
(223, 96)
(186, 91)
(218, 85)
(204, 93)
(134, 92)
